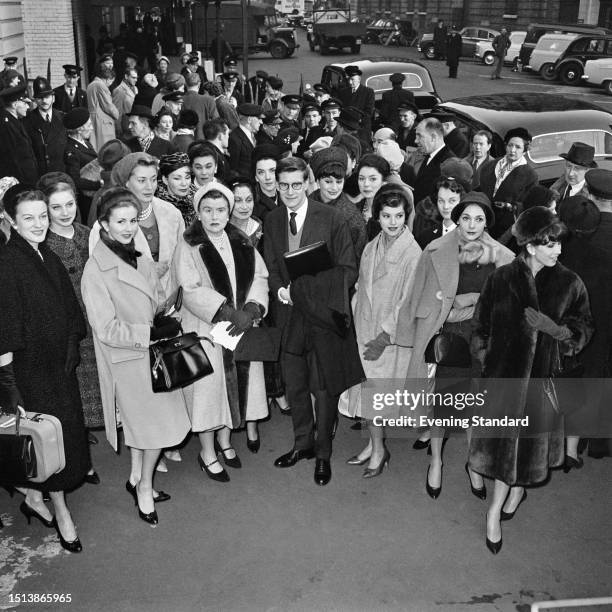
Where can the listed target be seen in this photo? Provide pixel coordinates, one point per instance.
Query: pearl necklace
(146, 213)
(217, 241)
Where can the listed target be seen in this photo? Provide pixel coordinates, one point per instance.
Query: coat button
(138, 345)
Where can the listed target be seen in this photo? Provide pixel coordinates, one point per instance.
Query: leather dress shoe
(292, 457)
(322, 473)
(253, 445)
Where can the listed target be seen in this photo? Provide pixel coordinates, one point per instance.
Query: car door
(468, 41)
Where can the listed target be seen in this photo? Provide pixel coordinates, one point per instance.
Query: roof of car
(377, 62)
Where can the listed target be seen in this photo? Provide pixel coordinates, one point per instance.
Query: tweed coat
(102, 111)
(204, 277)
(171, 227)
(48, 140)
(121, 303)
(40, 318)
(529, 359)
(434, 290)
(380, 294)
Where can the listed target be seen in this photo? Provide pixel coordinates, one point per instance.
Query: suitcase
(47, 437)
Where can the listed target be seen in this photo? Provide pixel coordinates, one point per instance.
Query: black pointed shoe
(293, 456)
(221, 476)
(253, 445)
(434, 493)
(479, 493)
(322, 473)
(74, 547)
(506, 516)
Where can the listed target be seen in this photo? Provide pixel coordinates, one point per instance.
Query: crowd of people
(115, 197)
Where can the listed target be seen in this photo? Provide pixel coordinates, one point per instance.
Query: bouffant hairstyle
(371, 160)
(19, 193)
(538, 226)
(54, 182)
(115, 197)
(393, 196)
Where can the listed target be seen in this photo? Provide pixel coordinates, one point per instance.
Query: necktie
(292, 224)
(71, 93)
(475, 164)
(568, 190)
(48, 118)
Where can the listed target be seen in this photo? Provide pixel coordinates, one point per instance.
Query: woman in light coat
(385, 281)
(224, 279)
(122, 294)
(447, 283)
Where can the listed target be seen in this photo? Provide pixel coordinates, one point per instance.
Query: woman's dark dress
(40, 315)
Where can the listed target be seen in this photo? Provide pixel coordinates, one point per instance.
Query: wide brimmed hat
(477, 198)
(581, 154)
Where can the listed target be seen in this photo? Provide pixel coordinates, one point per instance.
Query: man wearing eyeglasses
(319, 352)
(16, 153)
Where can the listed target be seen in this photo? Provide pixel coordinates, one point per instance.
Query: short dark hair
(213, 128)
(328, 173)
(393, 196)
(292, 164)
(162, 113)
(484, 133)
(115, 197)
(22, 194)
(446, 183)
(201, 148)
(371, 160)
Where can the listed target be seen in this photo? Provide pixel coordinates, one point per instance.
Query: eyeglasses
(294, 186)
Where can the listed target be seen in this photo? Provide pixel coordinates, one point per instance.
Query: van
(535, 31)
(547, 51)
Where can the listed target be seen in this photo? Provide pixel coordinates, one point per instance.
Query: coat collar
(444, 253)
(107, 260)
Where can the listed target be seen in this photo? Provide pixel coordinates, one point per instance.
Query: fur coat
(233, 391)
(513, 350)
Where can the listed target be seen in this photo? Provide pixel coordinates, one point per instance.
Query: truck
(332, 27)
(264, 34)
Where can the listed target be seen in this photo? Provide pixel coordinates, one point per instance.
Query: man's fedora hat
(581, 154)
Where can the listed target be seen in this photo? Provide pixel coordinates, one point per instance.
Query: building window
(511, 7)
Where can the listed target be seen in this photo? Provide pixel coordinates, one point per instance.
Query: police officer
(290, 110)
(70, 95)
(46, 129)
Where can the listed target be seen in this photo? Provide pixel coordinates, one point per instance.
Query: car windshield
(380, 82)
(544, 147)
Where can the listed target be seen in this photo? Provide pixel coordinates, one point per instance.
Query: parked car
(570, 65)
(599, 72)
(486, 54)
(554, 121)
(469, 36)
(376, 73)
(535, 31)
(547, 52)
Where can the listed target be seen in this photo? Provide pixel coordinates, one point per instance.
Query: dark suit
(76, 156)
(476, 176)
(429, 173)
(363, 99)
(48, 140)
(62, 99)
(456, 141)
(16, 153)
(560, 186)
(204, 106)
(389, 107)
(512, 190)
(313, 134)
(182, 141)
(316, 356)
(240, 152)
(406, 137)
(157, 148)
(224, 171)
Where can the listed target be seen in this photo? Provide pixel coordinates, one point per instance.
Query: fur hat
(477, 198)
(533, 223)
(111, 152)
(458, 170)
(327, 161)
(579, 214)
(518, 132)
(349, 143)
(538, 195)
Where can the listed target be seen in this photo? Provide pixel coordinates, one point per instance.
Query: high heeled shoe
(29, 512)
(479, 493)
(233, 462)
(421, 444)
(377, 471)
(494, 547)
(433, 492)
(160, 497)
(253, 445)
(571, 463)
(355, 460)
(221, 476)
(506, 516)
(74, 547)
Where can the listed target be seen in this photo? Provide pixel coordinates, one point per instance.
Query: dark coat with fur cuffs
(528, 359)
(206, 284)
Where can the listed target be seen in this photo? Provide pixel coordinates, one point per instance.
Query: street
(473, 77)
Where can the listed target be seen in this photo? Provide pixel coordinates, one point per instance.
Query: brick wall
(47, 27)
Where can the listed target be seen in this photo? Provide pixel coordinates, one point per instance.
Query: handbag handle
(20, 413)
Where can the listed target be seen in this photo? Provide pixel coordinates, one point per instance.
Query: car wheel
(548, 72)
(429, 52)
(278, 50)
(488, 59)
(607, 87)
(356, 49)
(570, 74)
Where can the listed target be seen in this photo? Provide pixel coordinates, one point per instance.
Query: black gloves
(375, 348)
(255, 310)
(73, 356)
(546, 325)
(240, 320)
(164, 327)
(10, 397)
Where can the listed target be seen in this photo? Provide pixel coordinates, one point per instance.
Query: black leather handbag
(178, 362)
(17, 454)
(448, 349)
